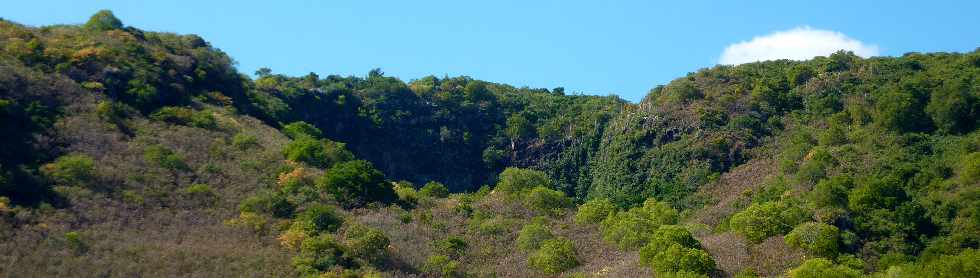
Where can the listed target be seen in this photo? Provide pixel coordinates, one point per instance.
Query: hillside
(139, 153)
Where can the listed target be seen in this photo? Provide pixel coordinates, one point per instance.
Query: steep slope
(136, 153)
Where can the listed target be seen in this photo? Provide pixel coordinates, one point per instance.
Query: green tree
(318, 219)
(71, 170)
(519, 128)
(820, 267)
(518, 181)
(165, 158)
(271, 203)
(532, 235)
(554, 256)
(664, 237)
(441, 265)
(761, 221)
(297, 130)
(103, 20)
(318, 153)
(817, 238)
(677, 258)
(548, 201)
(434, 189)
(901, 110)
(320, 253)
(594, 211)
(368, 244)
(951, 107)
(355, 184)
(632, 229)
(831, 192)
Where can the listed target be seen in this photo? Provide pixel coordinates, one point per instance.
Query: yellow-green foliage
(761, 221)
(594, 211)
(320, 253)
(547, 201)
(969, 171)
(532, 235)
(366, 243)
(821, 268)
(554, 256)
(676, 258)
(441, 265)
(633, 228)
(817, 238)
(165, 158)
(517, 180)
(244, 141)
(663, 238)
(317, 153)
(72, 170)
(355, 184)
(301, 129)
(274, 204)
(318, 219)
(406, 193)
(185, 116)
(434, 189)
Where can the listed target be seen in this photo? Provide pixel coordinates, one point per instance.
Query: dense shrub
(185, 116)
(517, 180)
(452, 246)
(663, 238)
(318, 219)
(632, 229)
(270, 203)
(554, 256)
(761, 221)
(441, 265)
(355, 184)
(201, 193)
(676, 258)
(831, 192)
(875, 193)
(820, 268)
(682, 274)
(544, 200)
(165, 158)
(75, 243)
(318, 153)
(366, 243)
(71, 170)
(407, 195)
(901, 110)
(817, 238)
(969, 170)
(952, 107)
(103, 20)
(594, 211)
(434, 189)
(297, 130)
(244, 141)
(532, 235)
(963, 264)
(320, 253)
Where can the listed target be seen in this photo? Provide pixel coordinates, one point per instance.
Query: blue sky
(594, 47)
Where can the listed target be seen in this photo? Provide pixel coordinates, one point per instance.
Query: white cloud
(800, 43)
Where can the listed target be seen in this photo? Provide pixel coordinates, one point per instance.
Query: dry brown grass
(733, 253)
(156, 231)
(493, 254)
(729, 188)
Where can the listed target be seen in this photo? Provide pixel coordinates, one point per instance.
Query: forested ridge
(129, 152)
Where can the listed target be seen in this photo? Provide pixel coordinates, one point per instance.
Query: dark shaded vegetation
(136, 153)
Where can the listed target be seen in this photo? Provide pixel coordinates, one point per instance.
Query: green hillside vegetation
(137, 153)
